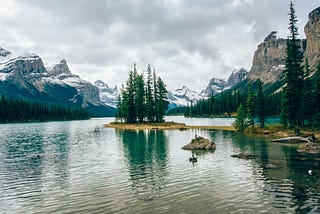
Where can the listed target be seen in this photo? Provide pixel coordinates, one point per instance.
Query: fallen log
(291, 140)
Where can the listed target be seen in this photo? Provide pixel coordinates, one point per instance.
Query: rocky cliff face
(312, 31)
(269, 59)
(89, 93)
(60, 68)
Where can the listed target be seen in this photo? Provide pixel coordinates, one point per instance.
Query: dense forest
(21, 111)
(298, 103)
(142, 100)
(227, 103)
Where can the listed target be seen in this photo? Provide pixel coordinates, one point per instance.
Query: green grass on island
(163, 126)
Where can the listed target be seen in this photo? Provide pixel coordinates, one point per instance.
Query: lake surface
(81, 167)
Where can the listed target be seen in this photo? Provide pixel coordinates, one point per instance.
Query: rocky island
(200, 143)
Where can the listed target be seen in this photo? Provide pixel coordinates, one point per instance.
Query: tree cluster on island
(21, 111)
(143, 99)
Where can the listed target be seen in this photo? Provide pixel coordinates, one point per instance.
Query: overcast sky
(187, 41)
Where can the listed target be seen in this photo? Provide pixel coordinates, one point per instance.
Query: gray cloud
(187, 41)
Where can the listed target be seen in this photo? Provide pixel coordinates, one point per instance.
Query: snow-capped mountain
(214, 87)
(217, 86)
(26, 77)
(108, 95)
(183, 97)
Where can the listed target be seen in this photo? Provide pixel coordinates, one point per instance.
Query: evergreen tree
(316, 96)
(162, 102)
(155, 94)
(294, 75)
(240, 122)
(250, 103)
(131, 115)
(260, 104)
(307, 106)
(140, 98)
(149, 96)
(125, 105)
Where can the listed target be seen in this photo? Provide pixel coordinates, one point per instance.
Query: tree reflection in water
(146, 154)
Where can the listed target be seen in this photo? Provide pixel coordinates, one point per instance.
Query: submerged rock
(244, 156)
(310, 147)
(200, 143)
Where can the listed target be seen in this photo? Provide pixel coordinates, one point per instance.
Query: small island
(147, 126)
(163, 126)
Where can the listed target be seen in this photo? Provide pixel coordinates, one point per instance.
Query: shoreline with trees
(18, 111)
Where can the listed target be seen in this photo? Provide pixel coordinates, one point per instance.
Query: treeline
(142, 99)
(12, 110)
(227, 103)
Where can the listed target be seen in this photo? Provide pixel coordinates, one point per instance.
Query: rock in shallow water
(244, 156)
(200, 143)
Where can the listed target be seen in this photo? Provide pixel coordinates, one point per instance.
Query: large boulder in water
(200, 143)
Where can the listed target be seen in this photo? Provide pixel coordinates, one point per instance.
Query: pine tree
(131, 113)
(240, 122)
(291, 107)
(260, 104)
(162, 102)
(316, 96)
(307, 93)
(149, 96)
(140, 97)
(250, 104)
(155, 94)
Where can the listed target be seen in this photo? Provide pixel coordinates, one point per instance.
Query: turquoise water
(81, 167)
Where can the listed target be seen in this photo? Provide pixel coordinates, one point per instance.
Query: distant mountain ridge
(26, 77)
(216, 86)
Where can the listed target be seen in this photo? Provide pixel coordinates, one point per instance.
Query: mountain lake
(82, 167)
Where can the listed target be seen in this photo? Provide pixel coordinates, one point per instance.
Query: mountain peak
(60, 68)
(63, 61)
(101, 84)
(4, 52)
(237, 76)
(272, 35)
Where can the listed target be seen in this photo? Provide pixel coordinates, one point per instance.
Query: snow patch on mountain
(108, 95)
(183, 97)
(216, 86)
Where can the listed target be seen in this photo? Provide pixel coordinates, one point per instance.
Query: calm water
(81, 167)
